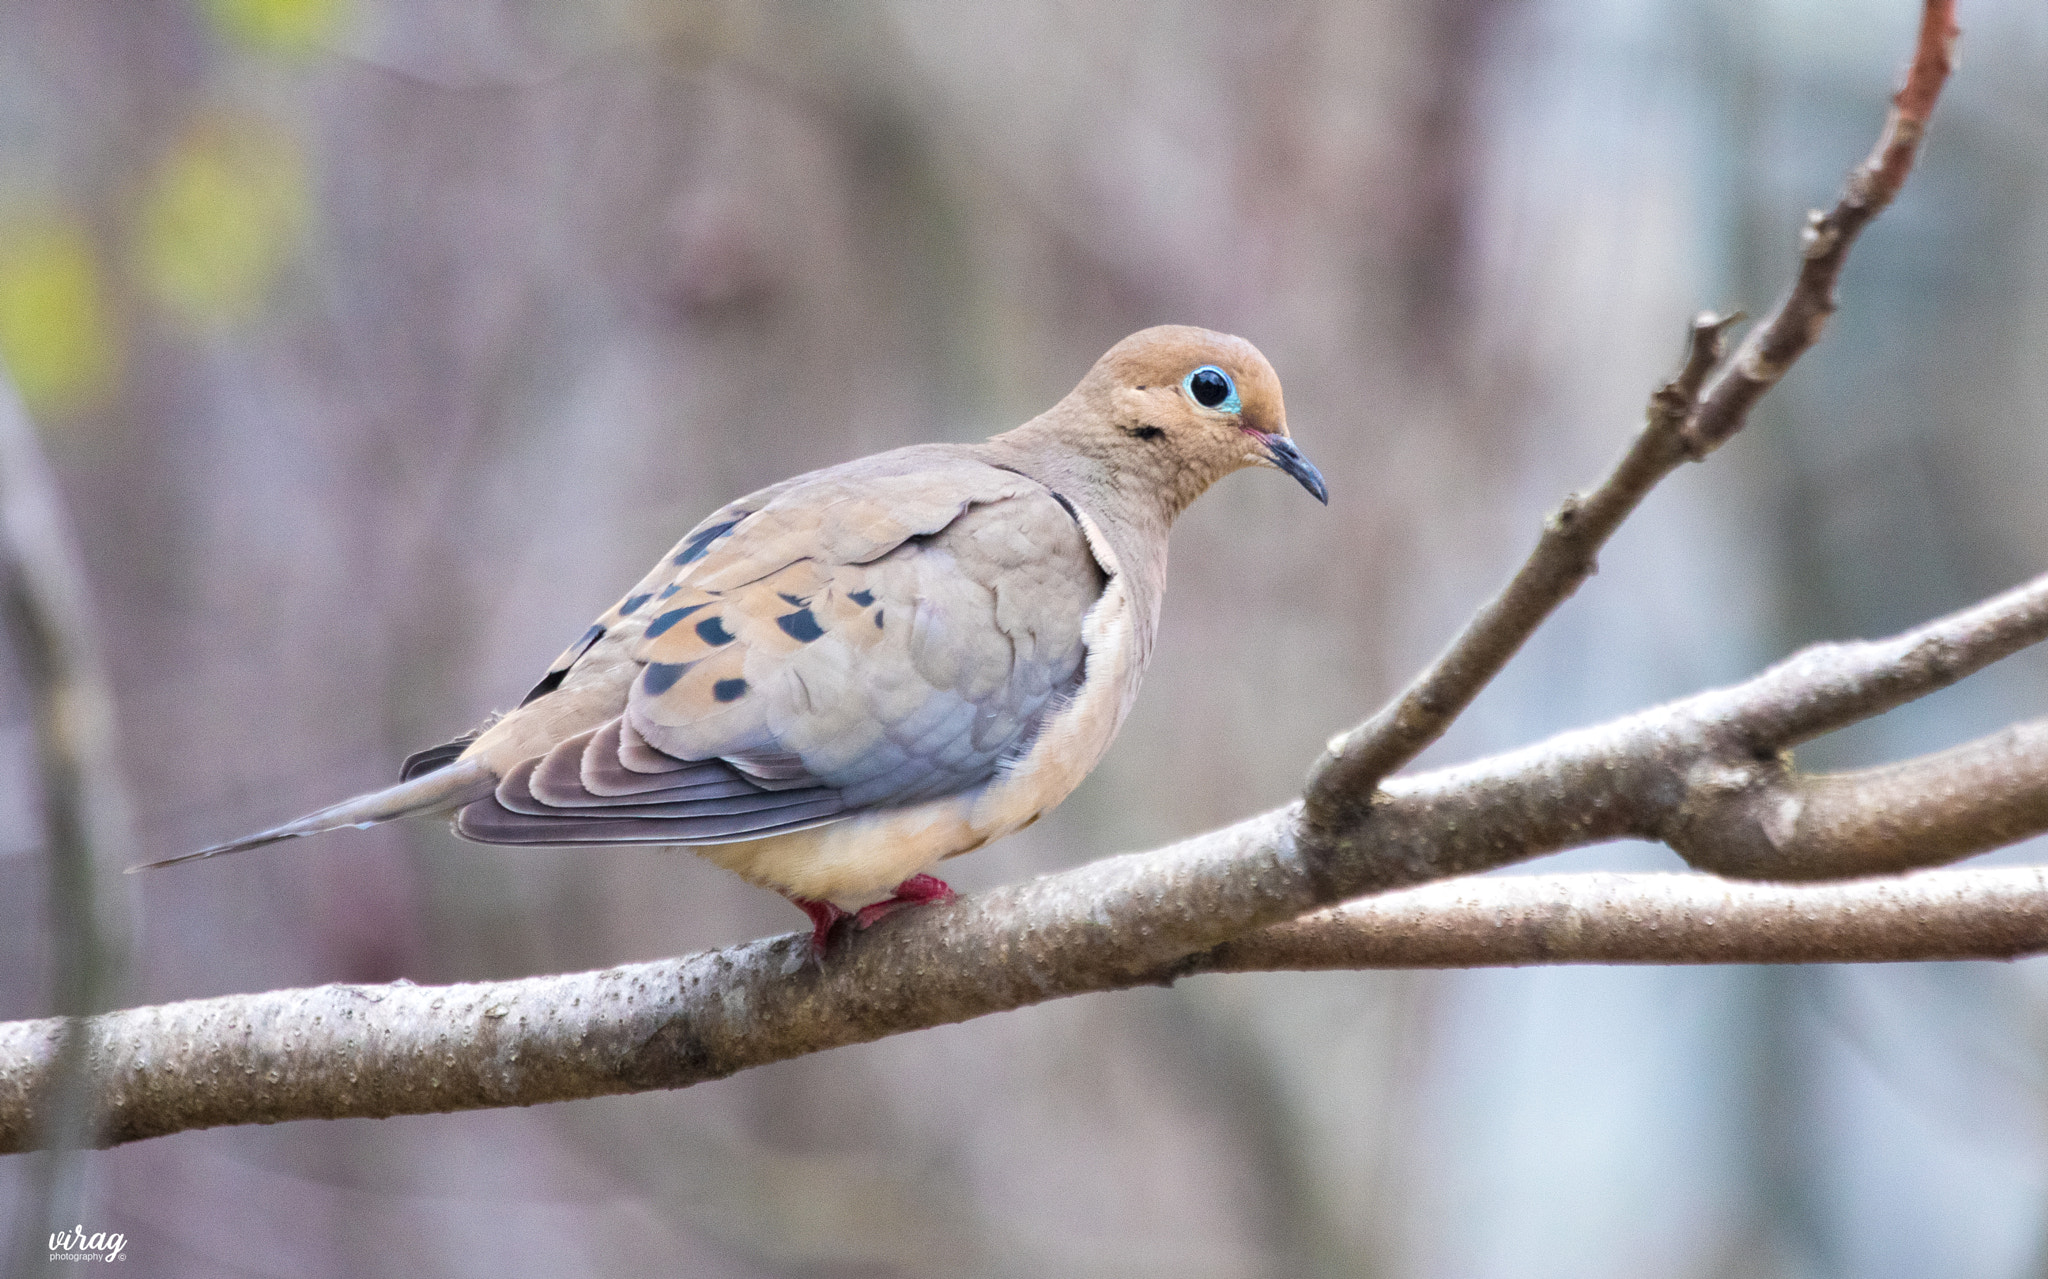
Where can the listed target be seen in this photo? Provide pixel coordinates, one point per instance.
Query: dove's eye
(1212, 388)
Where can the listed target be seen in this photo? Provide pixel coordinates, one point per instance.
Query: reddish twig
(1797, 322)
(1684, 424)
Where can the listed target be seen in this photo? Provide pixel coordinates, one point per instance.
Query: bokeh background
(381, 343)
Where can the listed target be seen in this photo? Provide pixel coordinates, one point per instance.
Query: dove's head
(1182, 407)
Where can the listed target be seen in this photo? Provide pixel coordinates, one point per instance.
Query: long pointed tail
(449, 787)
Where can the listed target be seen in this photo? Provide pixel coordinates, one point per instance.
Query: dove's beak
(1289, 459)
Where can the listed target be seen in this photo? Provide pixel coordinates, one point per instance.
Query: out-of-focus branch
(44, 604)
(1121, 922)
(1662, 919)
(1684, 423)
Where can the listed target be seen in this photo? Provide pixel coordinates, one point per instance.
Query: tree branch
(1662, 919)
(1125, 921)
(1768, 822)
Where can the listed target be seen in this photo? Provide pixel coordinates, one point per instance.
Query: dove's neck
(1132, 490)
(1131, 478)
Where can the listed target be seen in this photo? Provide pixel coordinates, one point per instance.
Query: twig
(1710, 776)
(1797, 322)
(1683, 424)
(1341, 784)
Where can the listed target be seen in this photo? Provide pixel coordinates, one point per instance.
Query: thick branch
(1131, 920)
(1707, 775)
(1769, 822)
(1662, 919)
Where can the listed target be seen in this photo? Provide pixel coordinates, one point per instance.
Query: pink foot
(823, 916)
(918, 890)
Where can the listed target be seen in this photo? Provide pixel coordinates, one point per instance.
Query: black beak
(1289, 459)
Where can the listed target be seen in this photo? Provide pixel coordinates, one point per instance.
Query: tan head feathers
(1170, 410)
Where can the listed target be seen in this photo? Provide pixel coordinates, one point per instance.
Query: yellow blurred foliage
(221, 217)
(279, 26)
(55, 333)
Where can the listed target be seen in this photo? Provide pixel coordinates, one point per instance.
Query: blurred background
(379, 344)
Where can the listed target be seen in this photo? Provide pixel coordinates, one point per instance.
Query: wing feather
(867, 637)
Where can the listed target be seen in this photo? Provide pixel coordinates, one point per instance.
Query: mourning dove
(833, 684)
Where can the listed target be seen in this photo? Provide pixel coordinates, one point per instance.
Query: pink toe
(823, 916)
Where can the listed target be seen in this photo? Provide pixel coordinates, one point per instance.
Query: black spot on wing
(712, 631)
(669, 590)
(729, 690)
(632, 605)
(801, 626)
(878, 618)
(433, 757)
(794, 601)
(553, 679)
(548, 684)
(694, 549)
(662, 676)
(661, 624)
(862, 598)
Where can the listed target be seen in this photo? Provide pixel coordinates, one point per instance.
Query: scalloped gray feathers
(868, 637)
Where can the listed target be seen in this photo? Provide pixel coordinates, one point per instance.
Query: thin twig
(1797, 322)
(1341, 784)
(1683, 424)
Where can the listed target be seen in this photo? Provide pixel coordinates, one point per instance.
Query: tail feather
(448, 787)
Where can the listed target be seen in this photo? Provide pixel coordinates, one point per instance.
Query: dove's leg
(915, 891)
(823, 916)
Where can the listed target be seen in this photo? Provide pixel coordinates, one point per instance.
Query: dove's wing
(869, 637)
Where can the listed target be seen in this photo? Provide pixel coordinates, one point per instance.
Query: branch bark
(1662, 919)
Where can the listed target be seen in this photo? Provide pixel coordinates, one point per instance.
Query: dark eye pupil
(1209, 387)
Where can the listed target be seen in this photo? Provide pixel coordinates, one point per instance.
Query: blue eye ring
(1202, 386)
